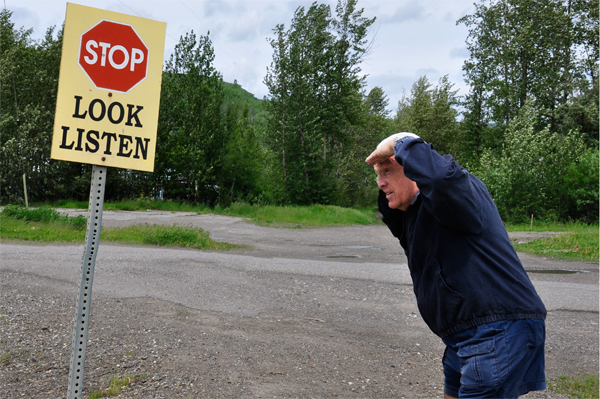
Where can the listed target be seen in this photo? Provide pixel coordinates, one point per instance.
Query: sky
(410, 38)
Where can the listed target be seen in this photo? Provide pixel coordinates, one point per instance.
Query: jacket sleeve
(447, 191)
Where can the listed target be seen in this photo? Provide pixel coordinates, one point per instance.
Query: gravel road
(296, 313)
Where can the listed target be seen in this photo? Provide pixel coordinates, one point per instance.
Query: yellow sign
(108, 89)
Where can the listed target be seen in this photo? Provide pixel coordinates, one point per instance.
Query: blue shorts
(504, 359)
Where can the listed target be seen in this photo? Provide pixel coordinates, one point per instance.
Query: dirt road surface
(296, 313)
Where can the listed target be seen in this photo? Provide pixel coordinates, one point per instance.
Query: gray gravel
(300, 313)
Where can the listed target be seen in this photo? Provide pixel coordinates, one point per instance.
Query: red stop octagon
(113, 56)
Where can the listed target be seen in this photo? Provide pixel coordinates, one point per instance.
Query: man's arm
(385, 149)
(447, 191)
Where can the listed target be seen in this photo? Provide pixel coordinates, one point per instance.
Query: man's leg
(451, 374)
(502, 359)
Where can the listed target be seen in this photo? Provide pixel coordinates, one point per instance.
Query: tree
(356, 177)
(315, 98)
(191, 136)
(429, 112)
(377, 102)
(28, 85)
(543, 50)
(242, 177)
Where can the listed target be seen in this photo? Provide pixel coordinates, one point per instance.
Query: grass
(42, 224)
(174, 236)
(584, 387)
(48, 225)
(578, 243)
(44, 214)
(299, 216)
(539, 227)
(278, 216)
(117, 385)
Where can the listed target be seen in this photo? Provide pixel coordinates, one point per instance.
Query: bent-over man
(471, 288)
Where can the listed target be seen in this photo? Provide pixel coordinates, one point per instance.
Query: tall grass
(44, 214)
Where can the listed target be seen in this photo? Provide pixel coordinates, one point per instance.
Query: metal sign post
(84, 301)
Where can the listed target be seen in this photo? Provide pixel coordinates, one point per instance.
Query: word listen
(95, 141)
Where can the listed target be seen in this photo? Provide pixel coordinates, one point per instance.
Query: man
(471, 288)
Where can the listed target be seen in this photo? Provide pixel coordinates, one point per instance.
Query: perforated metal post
(84, 301)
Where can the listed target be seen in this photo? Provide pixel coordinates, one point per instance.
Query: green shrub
(549, 175)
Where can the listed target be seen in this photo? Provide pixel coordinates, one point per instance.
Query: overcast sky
(411, 38)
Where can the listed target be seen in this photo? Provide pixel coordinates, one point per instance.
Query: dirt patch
(302, 350)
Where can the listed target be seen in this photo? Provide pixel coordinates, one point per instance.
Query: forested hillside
(528, 126)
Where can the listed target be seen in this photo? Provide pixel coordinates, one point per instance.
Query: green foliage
(542, 51)
(431, 114)
(580, 186)
(357, 179)
(242, 177)
(209, 150)
(314, 99)
(236, 95)
(536, 173)
(583, 387)
(28, 85)
(190, 131)
(306, 143)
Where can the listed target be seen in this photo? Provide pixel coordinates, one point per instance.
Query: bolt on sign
(109, 89)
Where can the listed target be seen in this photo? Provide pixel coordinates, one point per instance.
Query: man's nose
(381, 182)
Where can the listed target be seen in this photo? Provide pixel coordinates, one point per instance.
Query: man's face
(399, 189)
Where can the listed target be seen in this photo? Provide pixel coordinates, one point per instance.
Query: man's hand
(385, 149)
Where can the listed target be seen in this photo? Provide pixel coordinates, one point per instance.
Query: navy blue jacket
(464, 268)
